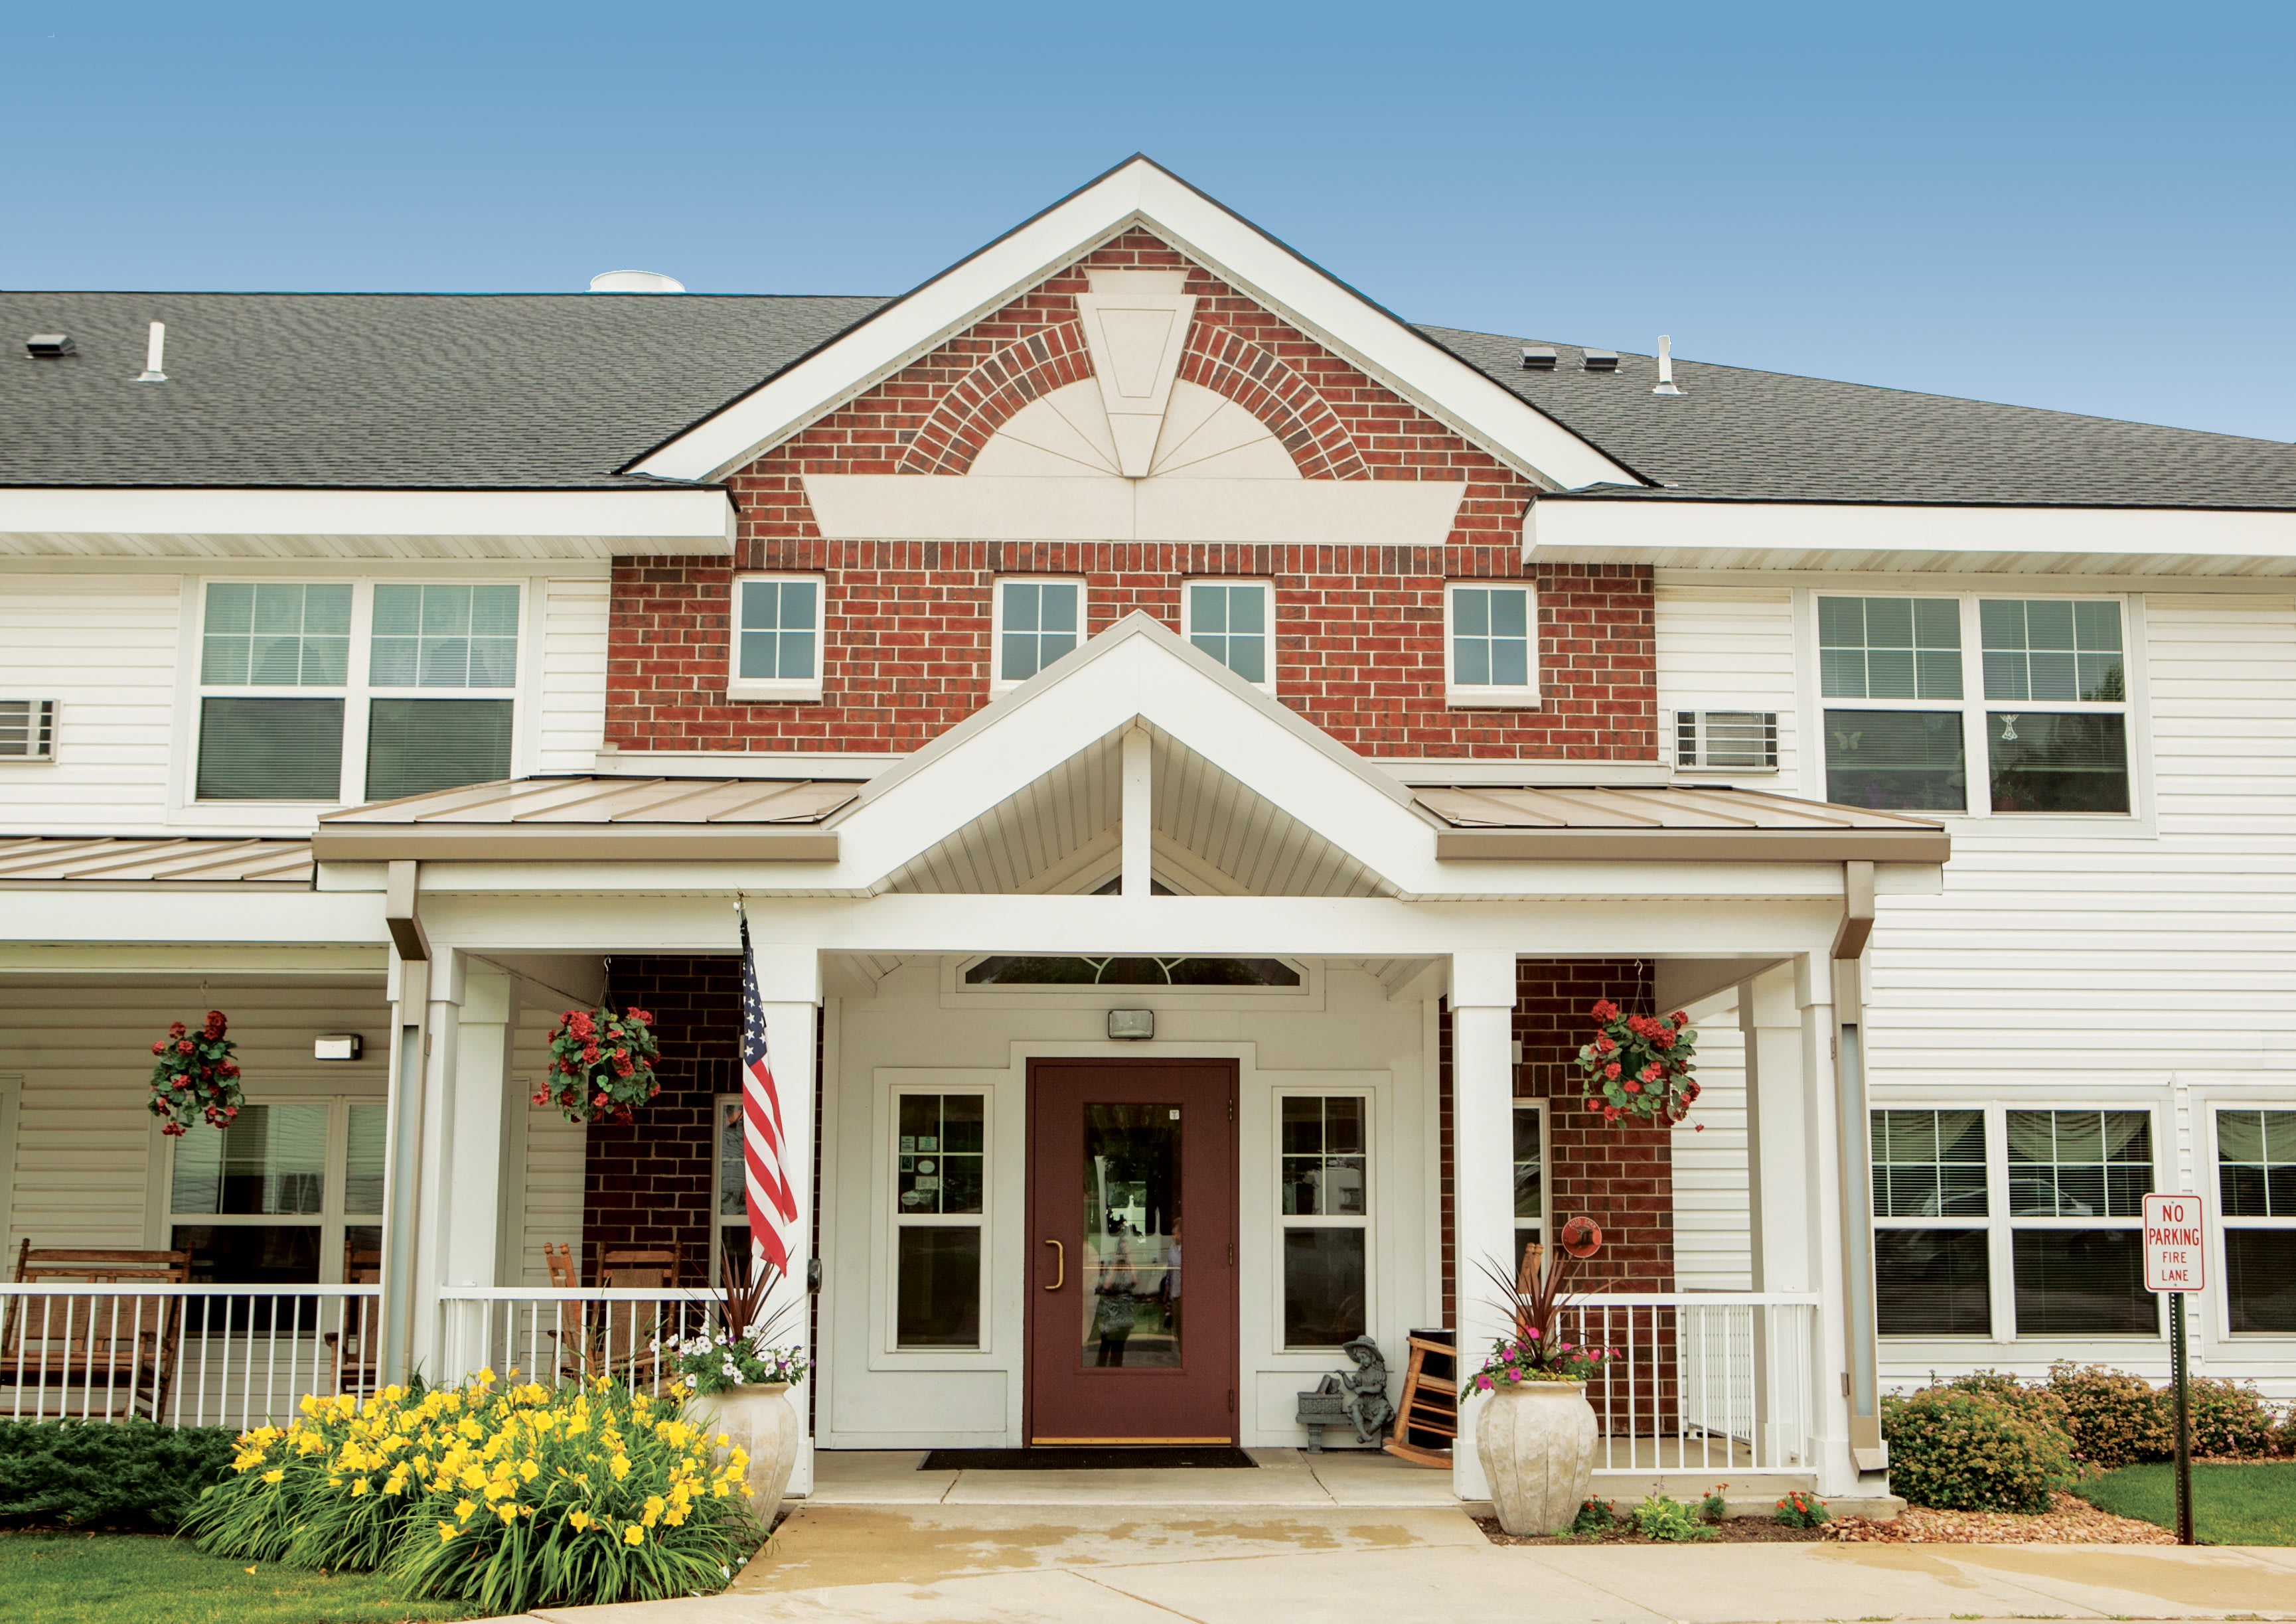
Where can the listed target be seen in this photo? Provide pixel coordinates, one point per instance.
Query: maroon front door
(1132, 1298)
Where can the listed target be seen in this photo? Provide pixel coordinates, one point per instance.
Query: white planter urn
(759, 1419)
(1537, 1442)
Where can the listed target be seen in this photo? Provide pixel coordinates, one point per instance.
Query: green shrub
(1594, 1517)
(510, 1498)
(2115, 1419)
(2230, 1419)
(128, 1474)
(1979, 1443)
(1800, 1510)
(1715, 1506)
(1662, 1517)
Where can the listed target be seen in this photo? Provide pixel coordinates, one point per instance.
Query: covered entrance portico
(1392, 979)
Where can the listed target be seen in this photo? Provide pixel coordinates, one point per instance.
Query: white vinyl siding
(569, 710)
(103, 647)
(548, 1206)
(1728, 648)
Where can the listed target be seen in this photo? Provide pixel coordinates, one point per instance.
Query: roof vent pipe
(154, 352)
(1665, 367)
(634, 281)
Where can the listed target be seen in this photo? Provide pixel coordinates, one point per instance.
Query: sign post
(2175, 1265)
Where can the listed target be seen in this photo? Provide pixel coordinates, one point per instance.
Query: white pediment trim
(1139, 193)
(981, 508)
(1138, 671)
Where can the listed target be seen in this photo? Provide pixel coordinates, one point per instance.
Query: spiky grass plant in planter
(1535, 1431)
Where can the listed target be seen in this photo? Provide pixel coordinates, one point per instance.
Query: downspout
(411, 957)
(1852, 1125)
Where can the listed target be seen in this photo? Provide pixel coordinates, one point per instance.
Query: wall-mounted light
(1132, 1025)
(337, 1046)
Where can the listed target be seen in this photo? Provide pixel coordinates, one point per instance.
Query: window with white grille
(27, 730)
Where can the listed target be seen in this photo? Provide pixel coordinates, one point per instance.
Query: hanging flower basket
(1639, 1066)
(196, 1077)
(600, 1064)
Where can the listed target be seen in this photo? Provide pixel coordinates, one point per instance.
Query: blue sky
(2083, 207)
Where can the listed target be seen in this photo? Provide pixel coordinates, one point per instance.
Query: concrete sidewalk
(942, 1563)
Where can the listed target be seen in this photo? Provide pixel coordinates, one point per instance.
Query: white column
(1139, 816)
(402, 1195)
(1837, 1468)
(477, 1111)
(434, 1172)
(788, 985)
(1482, 1174)
(1778, 1134)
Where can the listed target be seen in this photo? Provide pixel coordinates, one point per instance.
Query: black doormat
(1147, 1458)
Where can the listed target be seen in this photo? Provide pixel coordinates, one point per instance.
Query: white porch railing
(567, 1331)
(1704, 1382)
(186, 1354)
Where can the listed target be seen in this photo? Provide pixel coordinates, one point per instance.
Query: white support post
(1139, 815)
(402, 1198)
(441, 1049)
(789, 985)
(1482, 1173)
(1780, 1206)
(477, 1110)
(1837, 1466)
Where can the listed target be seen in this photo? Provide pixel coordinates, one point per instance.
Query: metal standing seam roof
(130, 861)
(1678, 822)
(596, 818)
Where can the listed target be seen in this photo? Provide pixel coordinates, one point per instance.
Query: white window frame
(2000, 1224)
(1282, 1221)
(1974, 708)
(1545, 1166)
(2211, 1184)
(998, 684)
(1489, 695)
(356, 692)
(899, 1220)
(330, 1221)
(1268, 592)
(1998, 1314)
(786, 689)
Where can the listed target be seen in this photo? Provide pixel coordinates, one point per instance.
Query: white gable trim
(1139, 193)
(967, 507)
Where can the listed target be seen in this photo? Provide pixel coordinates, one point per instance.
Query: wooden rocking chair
(113, 1355)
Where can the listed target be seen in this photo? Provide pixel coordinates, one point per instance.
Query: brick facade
(1620, 1176)
(1358, 644)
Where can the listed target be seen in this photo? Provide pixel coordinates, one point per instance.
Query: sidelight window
(940, 1170)
(1323, 1171)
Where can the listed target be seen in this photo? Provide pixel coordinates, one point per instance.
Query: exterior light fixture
(1132, 1025)
(337, 1046)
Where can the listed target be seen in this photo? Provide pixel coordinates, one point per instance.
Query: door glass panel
(1131, 1241)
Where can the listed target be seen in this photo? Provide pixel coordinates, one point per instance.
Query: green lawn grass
(2251, 1504)
(132, 1579)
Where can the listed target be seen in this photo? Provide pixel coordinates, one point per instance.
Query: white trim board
(359, 524)
(1138, 192)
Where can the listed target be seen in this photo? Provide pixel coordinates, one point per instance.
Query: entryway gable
(1036, 766)
(1137, 193)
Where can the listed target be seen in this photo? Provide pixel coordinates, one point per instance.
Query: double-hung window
(777, 644)
(1491, 643)
(2076, 1185)
(1925, 697)
(2256, 1184)
(1038, 621)
(2039, 1210)
(940, 1184)
(333, 691)
(1323, 1169)
(288, 1193)
(1931, 1275)
(1231, 621)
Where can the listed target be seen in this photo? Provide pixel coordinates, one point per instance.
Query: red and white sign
(2176, 1251)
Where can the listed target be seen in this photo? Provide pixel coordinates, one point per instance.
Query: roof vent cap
(47, 344)
(634, 281)
(1538, 357)
(1602, 360)
(1666, 384)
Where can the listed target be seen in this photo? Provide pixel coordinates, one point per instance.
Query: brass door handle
(1059, 1266)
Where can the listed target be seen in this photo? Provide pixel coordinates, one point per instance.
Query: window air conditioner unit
(1727, 741)
(27, 730)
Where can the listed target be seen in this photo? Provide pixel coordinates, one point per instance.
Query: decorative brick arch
(1221, 360)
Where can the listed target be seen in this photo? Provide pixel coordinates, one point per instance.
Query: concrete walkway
(1351, 1539)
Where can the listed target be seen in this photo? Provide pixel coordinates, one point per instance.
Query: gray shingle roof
(462, 392)
(1741, 435)
(522, 390)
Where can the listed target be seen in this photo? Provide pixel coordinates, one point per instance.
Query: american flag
(773, 1207)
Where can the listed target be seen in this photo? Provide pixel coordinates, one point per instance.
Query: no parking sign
(2175, 1254)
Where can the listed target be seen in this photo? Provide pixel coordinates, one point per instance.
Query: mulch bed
(2069, 1521)
(1732, 1530)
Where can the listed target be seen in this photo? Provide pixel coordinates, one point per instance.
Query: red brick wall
(649, 1184)
(1620, 1176)
(1359, 645)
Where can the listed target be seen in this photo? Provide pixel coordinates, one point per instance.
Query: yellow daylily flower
(273, 1475)
(634, 1535)
(578, 1519)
